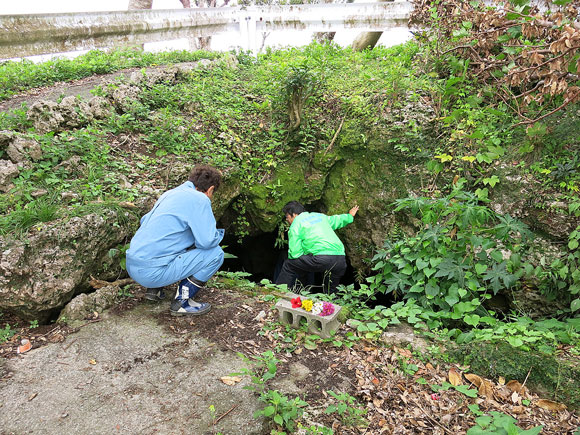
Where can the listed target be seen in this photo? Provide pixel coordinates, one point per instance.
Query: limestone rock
(165, 75)
(517, 195)
(124, 95)
(6, 137)
(22, 149)
(45, 116)
(8, 171)
(402, 335)
(85, 304)
(75, 112)
(41, 273)
(38, 193)
(72, 166)
(100, 108)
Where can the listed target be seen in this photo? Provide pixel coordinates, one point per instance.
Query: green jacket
(312, 233)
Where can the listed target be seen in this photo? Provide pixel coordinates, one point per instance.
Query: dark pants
(297, 269)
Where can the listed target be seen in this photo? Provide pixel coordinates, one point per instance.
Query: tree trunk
(201, 42)
(366, 40)
(322, 37)
(140, 4)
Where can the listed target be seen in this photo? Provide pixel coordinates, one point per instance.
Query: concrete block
(317, 324)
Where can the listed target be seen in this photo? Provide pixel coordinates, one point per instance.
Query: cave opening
(258, 256)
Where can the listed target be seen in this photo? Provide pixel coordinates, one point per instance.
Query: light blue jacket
(181, 219)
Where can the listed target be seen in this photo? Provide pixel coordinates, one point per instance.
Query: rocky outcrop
(8, 171)
(528, 200)
(23, 149)
(41, 273)
(85, 305)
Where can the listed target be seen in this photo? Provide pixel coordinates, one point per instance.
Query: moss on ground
(558, 378)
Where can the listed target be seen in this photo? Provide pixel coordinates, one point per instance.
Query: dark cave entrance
(258, 256)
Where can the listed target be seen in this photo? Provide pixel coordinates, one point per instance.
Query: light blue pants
(201, 263)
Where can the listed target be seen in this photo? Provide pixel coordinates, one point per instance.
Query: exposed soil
(151, 349)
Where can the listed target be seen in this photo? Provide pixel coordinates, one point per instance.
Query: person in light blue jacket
(178, 241)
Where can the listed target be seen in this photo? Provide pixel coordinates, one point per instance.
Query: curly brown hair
(205, 176)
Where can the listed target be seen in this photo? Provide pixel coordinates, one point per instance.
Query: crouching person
(178, 241)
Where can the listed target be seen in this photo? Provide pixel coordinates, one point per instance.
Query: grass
(19, 76)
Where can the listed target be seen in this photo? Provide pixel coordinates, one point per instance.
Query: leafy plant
(282, 410)
(6, 333)
(264, 368)
(500, 424)
(457, 260)
(300, 85)
(350, 412)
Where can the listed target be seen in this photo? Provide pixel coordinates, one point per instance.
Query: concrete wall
(27, 35)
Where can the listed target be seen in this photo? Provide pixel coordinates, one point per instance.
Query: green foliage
(18, 76)
(457, 259)
(6, 333)
(125, 292)
(350, 412)
(233, 280)
(469, 392)
(264, 368)
(563, 273)
(280, 409)
(500, 424)
(25, 217)
(119, 254)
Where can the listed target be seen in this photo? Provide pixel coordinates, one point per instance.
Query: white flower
(317, 308)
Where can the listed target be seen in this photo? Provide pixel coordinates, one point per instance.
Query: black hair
(205, 176)
(292, 208)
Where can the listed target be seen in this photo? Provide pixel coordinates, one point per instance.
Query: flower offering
(317, 308)
(296, 302)
(307, 304)
(327, 309)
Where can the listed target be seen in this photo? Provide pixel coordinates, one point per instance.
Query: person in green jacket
(313, 246)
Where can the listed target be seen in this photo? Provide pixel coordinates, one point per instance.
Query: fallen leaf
(32, 396)
(516, 397)
(550, 405)
(518, 409)
(454, 377)
(428, 366)
(486, 389)
(230, 380)
(404, 352)
(375, 381)
(474, 379)
(378, 402)
(514, 386)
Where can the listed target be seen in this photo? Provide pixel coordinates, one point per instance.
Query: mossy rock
(548, 375)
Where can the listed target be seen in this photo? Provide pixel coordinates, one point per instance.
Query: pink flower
(327, 309)
(296, 302)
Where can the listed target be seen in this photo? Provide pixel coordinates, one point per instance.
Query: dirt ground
(137, 369)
